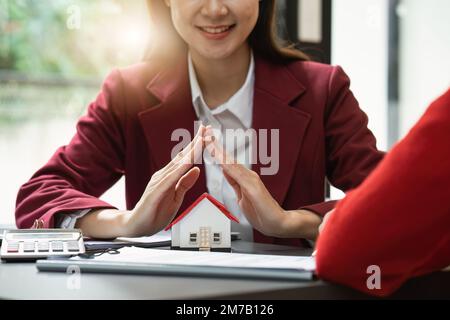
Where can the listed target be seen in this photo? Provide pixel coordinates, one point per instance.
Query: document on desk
(133, 260)
(202, 258)
(161, 239)
(157, 240)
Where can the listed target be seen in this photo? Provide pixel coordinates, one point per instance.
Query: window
(43, 92)
(216, 237)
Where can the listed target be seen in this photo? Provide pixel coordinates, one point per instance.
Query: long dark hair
(264, 39)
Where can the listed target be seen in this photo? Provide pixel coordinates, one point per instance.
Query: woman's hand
(256, 202)
(325, 221)
(322, 226)
(159, 203)
(165, 192)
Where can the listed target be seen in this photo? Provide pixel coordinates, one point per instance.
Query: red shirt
(399, 218)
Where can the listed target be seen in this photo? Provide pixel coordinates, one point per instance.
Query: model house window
(216, 237)
(193, 237)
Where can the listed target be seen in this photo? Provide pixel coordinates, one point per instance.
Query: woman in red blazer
(127, 131)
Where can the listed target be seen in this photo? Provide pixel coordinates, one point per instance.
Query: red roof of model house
(213, 200)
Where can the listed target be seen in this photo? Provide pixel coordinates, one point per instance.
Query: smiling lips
(216, 32)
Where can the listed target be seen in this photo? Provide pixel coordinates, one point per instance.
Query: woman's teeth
(216, 30)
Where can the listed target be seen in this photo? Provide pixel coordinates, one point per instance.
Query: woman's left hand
(260, 208)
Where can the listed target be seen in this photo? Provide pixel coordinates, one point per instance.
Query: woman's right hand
(159, 203)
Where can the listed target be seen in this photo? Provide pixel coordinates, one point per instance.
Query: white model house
(205, 226)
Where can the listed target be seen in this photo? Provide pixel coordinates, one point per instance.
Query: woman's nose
(214, 8)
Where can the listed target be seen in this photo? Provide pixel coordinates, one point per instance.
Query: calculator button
(13, 247)
(43, 247)
(72, 246)
(28, 246)
(57, 246)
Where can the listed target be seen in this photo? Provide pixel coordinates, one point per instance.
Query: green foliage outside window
(71, 37)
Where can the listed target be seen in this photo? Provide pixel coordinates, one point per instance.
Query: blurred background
(54, 55)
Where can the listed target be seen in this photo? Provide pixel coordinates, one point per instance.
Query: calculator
(33, 244)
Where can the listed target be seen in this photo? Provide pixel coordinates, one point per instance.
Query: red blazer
(399, 218)
(127, 131)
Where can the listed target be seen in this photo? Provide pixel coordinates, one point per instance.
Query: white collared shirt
(236, 113)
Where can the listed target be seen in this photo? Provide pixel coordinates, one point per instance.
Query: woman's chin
(216, 53)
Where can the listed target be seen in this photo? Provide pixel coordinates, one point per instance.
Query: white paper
(202, 258)
(159, 239)
(151, 239)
